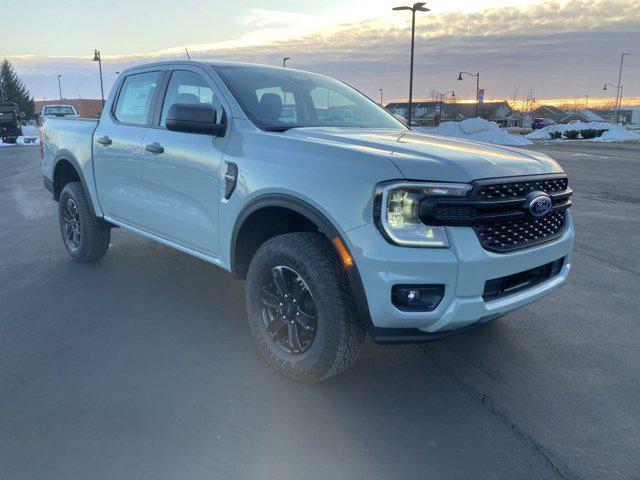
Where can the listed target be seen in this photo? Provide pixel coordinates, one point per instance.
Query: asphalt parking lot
(142, 366)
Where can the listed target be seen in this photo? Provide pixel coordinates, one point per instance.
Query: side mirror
(194, 118)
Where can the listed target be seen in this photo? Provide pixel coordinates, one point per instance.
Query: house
(628, 115)
(86, 107)
(430, 113)
(558, 115)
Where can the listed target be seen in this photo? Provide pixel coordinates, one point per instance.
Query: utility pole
(380, 97)
(60, 86)
(417, 7)
(187, 51)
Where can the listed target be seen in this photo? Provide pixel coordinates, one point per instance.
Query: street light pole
(284, 61)
(416, 7)
(380, 96)
(97, 58)
(619, 95)
(615, 107)
(477, 75)
(586, 103)
(60, 86)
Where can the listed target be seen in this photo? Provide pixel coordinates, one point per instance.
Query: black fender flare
(62, 156)
(326, 227)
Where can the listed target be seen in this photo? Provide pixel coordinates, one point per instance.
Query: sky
(553, 50)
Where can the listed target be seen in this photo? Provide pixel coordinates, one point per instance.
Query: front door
(117, 144)
(181, 171)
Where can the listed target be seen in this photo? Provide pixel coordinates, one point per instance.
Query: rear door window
(186, 87)
(136, 95)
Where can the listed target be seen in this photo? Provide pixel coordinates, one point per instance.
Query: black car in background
(10, 128)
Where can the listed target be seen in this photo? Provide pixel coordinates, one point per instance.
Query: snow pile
(613, 133)
(477, 129)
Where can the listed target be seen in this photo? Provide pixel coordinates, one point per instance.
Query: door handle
(106, 141)
(154, 147)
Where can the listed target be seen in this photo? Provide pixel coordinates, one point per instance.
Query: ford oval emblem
(539, 204)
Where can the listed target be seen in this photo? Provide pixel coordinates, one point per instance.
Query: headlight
(397, 212)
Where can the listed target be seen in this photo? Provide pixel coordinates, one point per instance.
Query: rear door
(117, 146)
(182, 183)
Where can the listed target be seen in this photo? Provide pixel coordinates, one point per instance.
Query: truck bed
(70, 139)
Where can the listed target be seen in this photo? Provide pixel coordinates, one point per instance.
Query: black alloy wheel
(288, 310)
(72, 229)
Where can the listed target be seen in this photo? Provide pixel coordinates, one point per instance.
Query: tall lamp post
(96, 58)
(416, 7)
(586, 103)
(477, 75)
(619, 96)
(617, 87)
(60, 86)
(439, 107)
(284, 61)
(380, 96)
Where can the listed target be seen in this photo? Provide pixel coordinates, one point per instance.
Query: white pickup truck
(341, 220)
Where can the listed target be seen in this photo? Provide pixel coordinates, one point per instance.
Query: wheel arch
(240, 259)
(66, 169)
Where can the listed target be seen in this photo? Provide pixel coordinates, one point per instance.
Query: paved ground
(141, 366)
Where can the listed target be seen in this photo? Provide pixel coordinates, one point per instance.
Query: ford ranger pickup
(341, 219)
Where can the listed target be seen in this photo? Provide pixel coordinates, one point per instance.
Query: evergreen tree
(13, 90)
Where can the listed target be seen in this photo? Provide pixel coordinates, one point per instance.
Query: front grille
(520, 189)
(507, 236)
(499, 211)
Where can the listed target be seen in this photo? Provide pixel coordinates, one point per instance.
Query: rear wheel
(300, 308)
(85, 236)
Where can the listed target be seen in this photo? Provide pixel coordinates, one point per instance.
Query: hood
(430, 157)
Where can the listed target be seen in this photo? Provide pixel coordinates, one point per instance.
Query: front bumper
(463, 269)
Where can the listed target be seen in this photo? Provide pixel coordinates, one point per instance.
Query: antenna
(188, 56)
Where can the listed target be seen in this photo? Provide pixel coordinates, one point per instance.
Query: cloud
(555, 48)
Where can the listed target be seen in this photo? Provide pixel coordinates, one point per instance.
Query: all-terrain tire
(339, 334)
(94, 234)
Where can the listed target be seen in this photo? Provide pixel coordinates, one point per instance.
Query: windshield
(278, 99)
(58, 111)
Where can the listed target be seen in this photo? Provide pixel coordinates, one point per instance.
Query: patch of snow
(614, 133)
(30, 136)
(24, 140)
(477, 129)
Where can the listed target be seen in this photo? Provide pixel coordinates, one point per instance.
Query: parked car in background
(541, 123)
(10, 128)
(340, 224)
(58, 111)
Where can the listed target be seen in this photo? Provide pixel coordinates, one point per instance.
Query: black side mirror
(194, 118)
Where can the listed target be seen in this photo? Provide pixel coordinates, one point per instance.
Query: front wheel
(300, 308)
(85, 237)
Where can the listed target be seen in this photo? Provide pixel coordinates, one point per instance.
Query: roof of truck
(204, 62)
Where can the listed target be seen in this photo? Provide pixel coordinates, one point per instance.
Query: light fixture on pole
(60, 86)
(416, 7)
(477, 75)
(453, 94)
(97, 58)
(284, 61)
